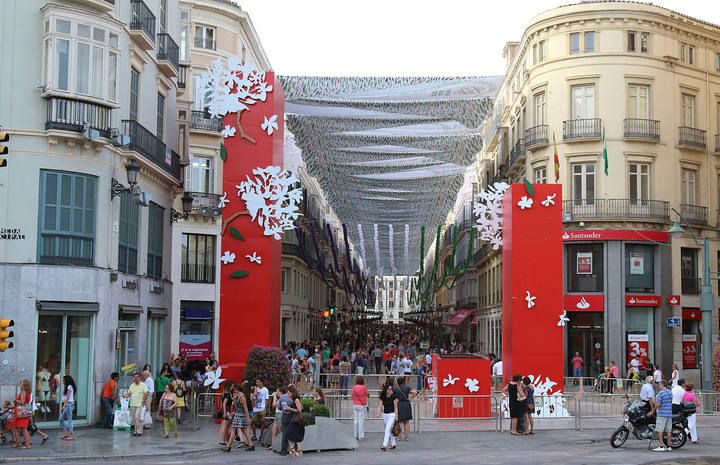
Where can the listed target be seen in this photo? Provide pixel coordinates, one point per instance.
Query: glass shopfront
(640, 335)
(585, 335)
(126, 344)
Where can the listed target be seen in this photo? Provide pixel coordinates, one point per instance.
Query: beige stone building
(649, 79)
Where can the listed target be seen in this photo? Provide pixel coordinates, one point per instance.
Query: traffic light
(332, 310)
(5, 334)
(4, 137)
(326, 314)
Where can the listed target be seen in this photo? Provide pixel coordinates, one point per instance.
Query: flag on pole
(605, 158)
(556, 160)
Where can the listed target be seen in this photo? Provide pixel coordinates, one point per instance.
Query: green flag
(605, 157)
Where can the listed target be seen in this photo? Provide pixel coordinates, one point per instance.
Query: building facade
(89, 99)
(642, 81)
(392, 297)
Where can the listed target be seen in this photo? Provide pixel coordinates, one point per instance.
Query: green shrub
(320, 411)
(307, 404)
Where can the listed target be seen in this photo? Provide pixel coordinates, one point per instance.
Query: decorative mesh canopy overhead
(389, 151)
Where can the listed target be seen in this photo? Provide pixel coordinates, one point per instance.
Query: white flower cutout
(549, 200)
(254, 258)
(227, 257)
(450, 381)
(530, 299)
(488, 214)
(472, 384)
(229, 131)
(214, 378)
(269, 125)
(223, 200)
(563, 319)
(525, 202)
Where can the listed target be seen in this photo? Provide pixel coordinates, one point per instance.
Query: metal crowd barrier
(372, 381)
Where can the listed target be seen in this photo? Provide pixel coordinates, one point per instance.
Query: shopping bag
(146, 417)
(122, 418)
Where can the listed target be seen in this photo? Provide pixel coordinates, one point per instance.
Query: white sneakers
(662, 449)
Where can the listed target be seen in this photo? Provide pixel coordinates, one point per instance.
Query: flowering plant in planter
(270, 364)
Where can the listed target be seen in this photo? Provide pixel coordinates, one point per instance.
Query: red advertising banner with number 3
(638, 347)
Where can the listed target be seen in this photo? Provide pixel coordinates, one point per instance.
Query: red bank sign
(584, 303)
(643, 300)
(673, 300)
(616, 235)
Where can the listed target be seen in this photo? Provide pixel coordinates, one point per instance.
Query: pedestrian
(377, 354)
(296, 426)
(22, 414)
(388, 405)
(658, 374)
(516, 394)
(32, 427)
(420, 372)
(107, 399)
(647, 393)
(319, 396)
(404, 393)
(150, 384)
(277, 404)
(577, 363)
(678, 391)
(166, 409)
(259, 406)
(360, 363)
(180, 391)
(689, 396)
(226, 413)
(663, 423)
(497, 373)
(675, 376)
(67, 406)
(162, 380)
(138, 394)
(344, 369)
(360, 405)
(240, 426)
(530, 404)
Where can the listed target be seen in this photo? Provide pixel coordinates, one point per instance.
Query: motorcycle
(642, 427)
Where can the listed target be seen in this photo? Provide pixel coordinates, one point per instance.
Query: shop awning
(131, 309)
(158, 311)
(474, 321)
(459, 316)
(82, 307)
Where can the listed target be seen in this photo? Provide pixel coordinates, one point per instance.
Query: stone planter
(325, 434)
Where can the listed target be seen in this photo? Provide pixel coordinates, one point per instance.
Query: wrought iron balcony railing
(517, 151)
(692, 137)
(142, 19)
(152, 148)
(204, 42)
(203, 121)
(638, 128)
(168, 50)
(197, 273)
(72, 115)
(585, 128)
(536, 136)
(604, 209)
(694, 214)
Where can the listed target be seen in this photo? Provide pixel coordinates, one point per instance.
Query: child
(6, 415)
(167, 404)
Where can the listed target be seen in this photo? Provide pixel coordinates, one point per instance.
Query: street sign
(673, 322)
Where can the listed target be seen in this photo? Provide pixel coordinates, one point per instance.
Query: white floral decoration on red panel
(272, 198)
(488, 213)
(227, 257)
(525, 202)
(232, 87)
(223, 200)
(450, 381)
(254, 258)
(549, 200)
(229, 131)
(269, 125)
(563, 319)
(530, 299)
(472, 384)
(213, 378)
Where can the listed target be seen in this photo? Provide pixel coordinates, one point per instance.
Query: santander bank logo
(565, 236)
(632, 300)
(582, 304)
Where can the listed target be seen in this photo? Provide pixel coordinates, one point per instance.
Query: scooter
(642, 427)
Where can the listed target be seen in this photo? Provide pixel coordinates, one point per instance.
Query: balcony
(66, 114)
(102, 5)
(694, 214)
(717, 144)
(168, 55)
(182, 76)
(152, 148)
(206, 204)
(690, 285)
(517, 158)
(692, 138)
(197, 273)
(614, 209)
(202, 121)
(205, 42)
(582, 129)
(142, 25)
(536, 137)
(642, 129)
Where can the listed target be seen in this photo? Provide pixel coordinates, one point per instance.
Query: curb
(107, 458)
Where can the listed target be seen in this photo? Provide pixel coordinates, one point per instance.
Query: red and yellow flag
(556, 160)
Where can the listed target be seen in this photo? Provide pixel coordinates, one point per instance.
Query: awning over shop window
(131, 309)
(460, 316)
(158, 311)
(474, 321)
(52, 306)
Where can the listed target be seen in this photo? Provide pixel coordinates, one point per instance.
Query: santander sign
(642, 301)
(584, 303)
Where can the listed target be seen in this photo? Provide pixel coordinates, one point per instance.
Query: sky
(404, 37)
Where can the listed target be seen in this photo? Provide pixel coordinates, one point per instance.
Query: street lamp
(707, 301)
(187, 201)
(116, 188)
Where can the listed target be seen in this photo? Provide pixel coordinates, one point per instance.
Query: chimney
(509, 53)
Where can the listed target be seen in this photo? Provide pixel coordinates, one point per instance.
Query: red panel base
(532, 262)
(455, 399)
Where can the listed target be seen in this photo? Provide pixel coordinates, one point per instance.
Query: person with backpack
(180, 391)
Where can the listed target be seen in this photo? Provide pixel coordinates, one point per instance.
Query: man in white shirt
(150, 383)
(497, 371)
(635, 363)
(677, 394)
(647, 393)
(261, 396)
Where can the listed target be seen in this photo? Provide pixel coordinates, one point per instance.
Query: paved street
(551, 447)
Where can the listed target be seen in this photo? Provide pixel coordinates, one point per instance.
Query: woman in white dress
(675, 375)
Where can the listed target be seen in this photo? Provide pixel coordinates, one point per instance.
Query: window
(67, 218)
(644, 42)
(585, 267)
(201, 97)
(589, 41)
(205, 37)
(687, 53)
(639, 268)
(184, 35)
(128, 241)
(638, 101)
(540, 109)
(689, 186)
(160, 116)
(391, 304)
(198, 258)
(163, 17)
(639, 182)
(717, 62)
(540, 175)
(574, 43)
(689, 281)
(584, 184)
(201, 174)
(539, 51)
(80, 57)
(688, 110)
(134, 93)
(583, 102)
(156, 223)
(284, 279)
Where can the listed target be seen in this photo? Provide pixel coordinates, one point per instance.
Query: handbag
(396, 429)
(24, 411)
(521, 396)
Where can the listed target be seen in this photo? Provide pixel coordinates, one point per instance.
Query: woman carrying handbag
(516, 396)
(296, 428)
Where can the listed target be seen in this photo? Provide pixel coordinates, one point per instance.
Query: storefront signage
(195, 346)
(127, 324)
(584, 303)
(689, 345)
(673, 300)
(637, 263)
(11, 234)
(616, 235)
(691, 314)
(637, 347)
(642, 301)
(584, 263)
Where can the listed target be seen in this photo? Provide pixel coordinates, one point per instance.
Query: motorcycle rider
(663, 407)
